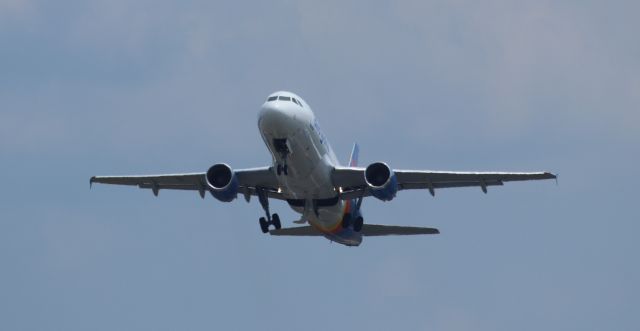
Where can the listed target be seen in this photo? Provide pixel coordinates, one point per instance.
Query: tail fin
(353, 160)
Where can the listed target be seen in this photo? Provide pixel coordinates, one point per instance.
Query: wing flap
(186, 187)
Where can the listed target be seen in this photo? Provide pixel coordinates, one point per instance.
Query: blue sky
(137, 87)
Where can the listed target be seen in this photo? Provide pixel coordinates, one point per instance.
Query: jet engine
(382, 181)
(222, 182)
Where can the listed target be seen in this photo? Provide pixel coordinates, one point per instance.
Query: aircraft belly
(310, 163)
(309, 169)
(329, 218)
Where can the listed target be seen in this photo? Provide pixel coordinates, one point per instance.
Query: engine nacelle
(222, 182)
(382, 181)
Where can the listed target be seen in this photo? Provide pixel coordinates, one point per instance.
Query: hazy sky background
(140, 87)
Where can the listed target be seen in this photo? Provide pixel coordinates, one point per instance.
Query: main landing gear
(264, 224)
(356, 222)
(270, 219)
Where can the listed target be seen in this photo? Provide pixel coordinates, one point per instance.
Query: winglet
(91, 181)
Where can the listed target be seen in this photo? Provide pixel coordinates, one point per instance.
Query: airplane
(306, 174)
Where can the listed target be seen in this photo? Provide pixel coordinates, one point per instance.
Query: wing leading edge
(249, 181)
(352, 182)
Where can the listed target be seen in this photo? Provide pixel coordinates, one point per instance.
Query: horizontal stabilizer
(297, 231)
(372, 230)
(368, 230)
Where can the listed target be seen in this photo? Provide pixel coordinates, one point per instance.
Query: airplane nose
(273, 115)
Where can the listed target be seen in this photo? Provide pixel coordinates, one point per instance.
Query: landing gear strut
(357, 224)
(270, 219)
(346, 221)
(280, 169)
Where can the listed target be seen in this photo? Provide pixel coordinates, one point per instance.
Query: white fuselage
(309, 158)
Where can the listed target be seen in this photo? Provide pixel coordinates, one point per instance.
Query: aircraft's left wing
(249, 181)
(353, 184)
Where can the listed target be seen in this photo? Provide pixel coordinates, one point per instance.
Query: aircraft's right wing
(353, 184)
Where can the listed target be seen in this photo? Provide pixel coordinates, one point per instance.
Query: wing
(249, 181)
(353, 184)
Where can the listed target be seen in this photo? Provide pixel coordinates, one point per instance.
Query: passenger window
(284, 98)
(272, 98)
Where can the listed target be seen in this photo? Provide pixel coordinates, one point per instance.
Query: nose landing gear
(282, 147)
(280, 169)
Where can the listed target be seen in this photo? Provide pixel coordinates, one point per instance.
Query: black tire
(264, 225)
(279, 170)
(346, 220)
(357, 224)
(276, 221)
(285, 169)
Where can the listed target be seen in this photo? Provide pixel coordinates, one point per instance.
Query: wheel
(285, 169)
(275, 220)
(346, 221)
(264, 225)
(279, 170)
(357, 224)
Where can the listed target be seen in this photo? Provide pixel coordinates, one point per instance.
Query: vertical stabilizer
(353, 160)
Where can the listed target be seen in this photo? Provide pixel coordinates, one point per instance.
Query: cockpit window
(283, 98)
